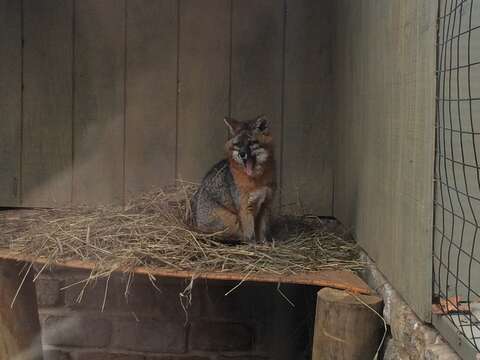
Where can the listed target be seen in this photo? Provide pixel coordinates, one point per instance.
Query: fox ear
(232, 124)
(261, 123)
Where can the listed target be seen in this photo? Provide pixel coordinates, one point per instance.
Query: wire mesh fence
(456, 255)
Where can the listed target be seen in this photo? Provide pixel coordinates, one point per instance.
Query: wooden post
(344, 327)
(19, 326)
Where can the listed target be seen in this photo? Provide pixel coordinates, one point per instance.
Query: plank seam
(332, 209)
(282, 103)
(22, 53)
(74, 5)
(177, 94)
(125, 50)
(230, 62)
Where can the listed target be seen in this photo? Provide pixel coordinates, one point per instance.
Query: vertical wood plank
(99, 101)
(47, 124)
(257, 64)
(10, 100)
(151, 94)
(307, 176)
(204, 85)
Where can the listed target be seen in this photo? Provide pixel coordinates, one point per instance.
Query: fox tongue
(249, 167)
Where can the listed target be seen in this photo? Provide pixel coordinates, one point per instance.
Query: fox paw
(265, 238)
(251, 239)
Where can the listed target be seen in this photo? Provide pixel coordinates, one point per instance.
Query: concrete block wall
(146, 322)
(409, 338)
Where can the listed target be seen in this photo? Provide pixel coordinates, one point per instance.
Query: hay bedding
(152, 231)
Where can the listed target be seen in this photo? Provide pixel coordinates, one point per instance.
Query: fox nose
(243, 155)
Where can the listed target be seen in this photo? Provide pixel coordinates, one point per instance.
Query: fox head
(250, 144)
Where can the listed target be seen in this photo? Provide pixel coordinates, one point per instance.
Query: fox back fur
(236, 194)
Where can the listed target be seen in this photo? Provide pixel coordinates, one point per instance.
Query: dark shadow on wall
(254, 321)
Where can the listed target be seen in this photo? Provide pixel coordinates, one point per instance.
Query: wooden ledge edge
(337, 279)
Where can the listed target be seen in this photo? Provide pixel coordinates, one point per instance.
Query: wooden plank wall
(384, 129)
(120, 96)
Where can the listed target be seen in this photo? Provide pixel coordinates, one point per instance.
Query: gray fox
(236, 194)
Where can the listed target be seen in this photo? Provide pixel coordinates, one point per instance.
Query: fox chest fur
(235, 197)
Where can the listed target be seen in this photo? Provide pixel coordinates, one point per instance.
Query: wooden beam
(346, 327)
(19, 325)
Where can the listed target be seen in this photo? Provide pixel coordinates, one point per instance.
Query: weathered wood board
(384, 137)
(307, 142)
(10, 101)
(151, 94)
(204, 70)
(337, 279)
(47, 102)
(99, 102)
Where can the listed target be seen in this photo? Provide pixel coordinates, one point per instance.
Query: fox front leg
(256, 200)
(247, 221)
(246, 217)
(259, 203)
(264, 226)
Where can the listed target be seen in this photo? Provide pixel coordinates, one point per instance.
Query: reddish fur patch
(247, 184)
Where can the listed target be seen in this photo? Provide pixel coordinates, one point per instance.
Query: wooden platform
(338, 279)
(22, 319)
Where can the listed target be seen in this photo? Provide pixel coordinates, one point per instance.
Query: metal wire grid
(457, 171)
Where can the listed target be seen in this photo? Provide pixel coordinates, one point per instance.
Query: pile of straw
(152, 231)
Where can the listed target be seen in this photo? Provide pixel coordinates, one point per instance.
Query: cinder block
(92, 296)
(76, 331)
(142, 297)
(56, 355)
(242, 357)
(249, 302)
(440, 352)
(159, 299)
(180, 357)
(219, 336)
(394, 351)
(96, 355)
(48, 291)
(150, 335)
